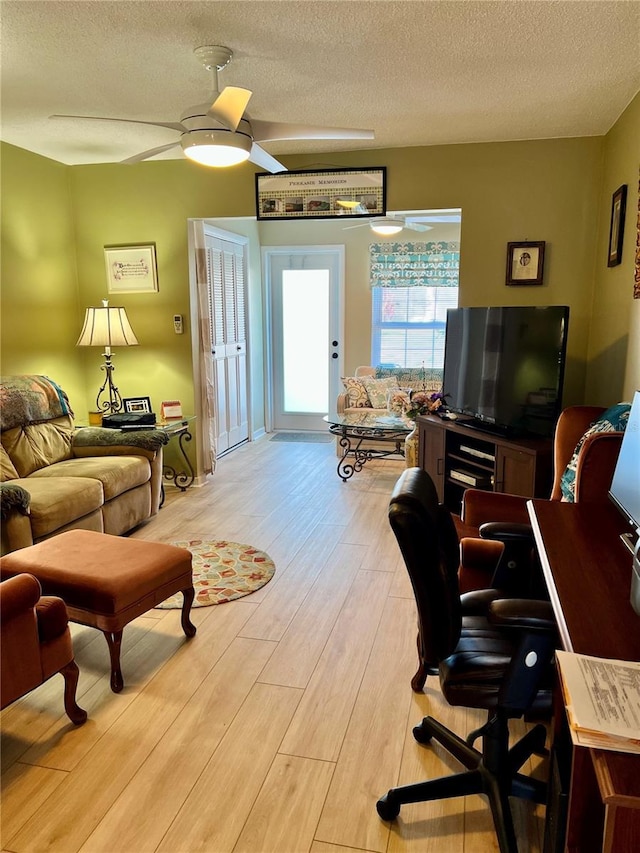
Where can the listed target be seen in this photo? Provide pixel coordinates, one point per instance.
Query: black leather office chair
(493, 654)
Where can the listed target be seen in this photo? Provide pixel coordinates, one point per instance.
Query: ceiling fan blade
(417, 226)
(173, 125)
(150, 153)
(261, 158)
(267, 131)
(359, 225)
(230, 105)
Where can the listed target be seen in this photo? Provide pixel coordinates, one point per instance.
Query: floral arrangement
(423, 403)
(398, 402)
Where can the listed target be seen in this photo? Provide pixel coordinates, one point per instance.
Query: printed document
(602, 698)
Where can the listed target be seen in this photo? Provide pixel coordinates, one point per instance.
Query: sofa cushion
(7, 468)
(116, 474)
(57, 501)
(36, 445)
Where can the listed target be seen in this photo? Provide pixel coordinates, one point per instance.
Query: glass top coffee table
(353, 428)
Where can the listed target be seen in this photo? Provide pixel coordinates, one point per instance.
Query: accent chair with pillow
(586, 446)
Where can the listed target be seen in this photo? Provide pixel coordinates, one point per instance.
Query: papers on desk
(602, 698)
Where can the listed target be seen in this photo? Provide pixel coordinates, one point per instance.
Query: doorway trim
(195, 241)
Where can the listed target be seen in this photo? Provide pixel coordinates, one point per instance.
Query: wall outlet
(177, 324)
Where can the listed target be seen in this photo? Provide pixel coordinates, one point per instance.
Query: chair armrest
(505, 532)
(522, 614)
(478, 601)
(479, 507)
(13, 498)
(17, 595)
(341, 403)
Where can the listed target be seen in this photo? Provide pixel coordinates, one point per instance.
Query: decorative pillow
(613, 420)
(377, 390)
(357, 397)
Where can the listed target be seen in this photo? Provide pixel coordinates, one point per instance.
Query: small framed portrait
(525, 263)
(137, 405)
(616, 227)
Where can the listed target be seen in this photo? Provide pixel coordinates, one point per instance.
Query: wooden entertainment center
(458, 457)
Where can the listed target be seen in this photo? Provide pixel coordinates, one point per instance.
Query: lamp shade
(216, 147)
(386, 226)
(106, 327)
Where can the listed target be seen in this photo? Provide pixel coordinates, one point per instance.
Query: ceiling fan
(221, 133)
(389, 225)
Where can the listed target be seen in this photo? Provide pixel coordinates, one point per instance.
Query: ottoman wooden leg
(188, 627)
(114, 641)
(70, 673)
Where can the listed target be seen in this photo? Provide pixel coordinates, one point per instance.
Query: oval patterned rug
(222, 571)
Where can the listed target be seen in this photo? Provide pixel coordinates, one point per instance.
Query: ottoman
(106, 581)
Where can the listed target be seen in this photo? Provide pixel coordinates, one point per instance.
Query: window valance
(435, 264)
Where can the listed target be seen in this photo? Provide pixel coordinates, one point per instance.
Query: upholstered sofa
(367, 390)
(54, 477)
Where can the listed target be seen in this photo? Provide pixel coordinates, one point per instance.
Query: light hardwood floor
(279, 725)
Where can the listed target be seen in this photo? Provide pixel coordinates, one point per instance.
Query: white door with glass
(305, 287)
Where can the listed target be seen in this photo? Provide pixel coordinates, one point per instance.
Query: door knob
(334, 343)
(335, 355)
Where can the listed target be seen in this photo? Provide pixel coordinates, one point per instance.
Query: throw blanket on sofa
(30, 399)
(13, 497)
(146, 439)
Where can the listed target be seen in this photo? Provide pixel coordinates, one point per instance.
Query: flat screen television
(625, 492)
(504, 367)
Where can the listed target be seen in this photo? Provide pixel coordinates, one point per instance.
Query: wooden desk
(588, 573)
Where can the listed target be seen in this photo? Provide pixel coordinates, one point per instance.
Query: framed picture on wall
(525, 263)
(321, 194)
(616, 227)
(131, 269)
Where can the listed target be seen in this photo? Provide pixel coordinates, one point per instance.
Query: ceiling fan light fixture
(386, 226)
(218, 148)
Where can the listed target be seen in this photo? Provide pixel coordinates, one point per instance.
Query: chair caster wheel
(387, 808)
(421, 735)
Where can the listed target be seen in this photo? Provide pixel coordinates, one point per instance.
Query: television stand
(458, 456)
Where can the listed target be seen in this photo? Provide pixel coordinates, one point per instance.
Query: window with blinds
(413, 285)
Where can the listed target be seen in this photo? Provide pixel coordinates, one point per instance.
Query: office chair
(499, 659)
(503, 517)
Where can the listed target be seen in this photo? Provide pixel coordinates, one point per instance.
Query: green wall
(40, 320)
(614, 339)
(552, 190)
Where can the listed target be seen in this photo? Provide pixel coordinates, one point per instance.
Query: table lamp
(107, 327)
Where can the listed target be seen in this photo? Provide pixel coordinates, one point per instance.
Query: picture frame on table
(171, 410)
(616, 226)
(137, 405)
(131, 268)
(525, 262)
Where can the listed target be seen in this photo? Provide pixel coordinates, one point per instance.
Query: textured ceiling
(425, 72)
